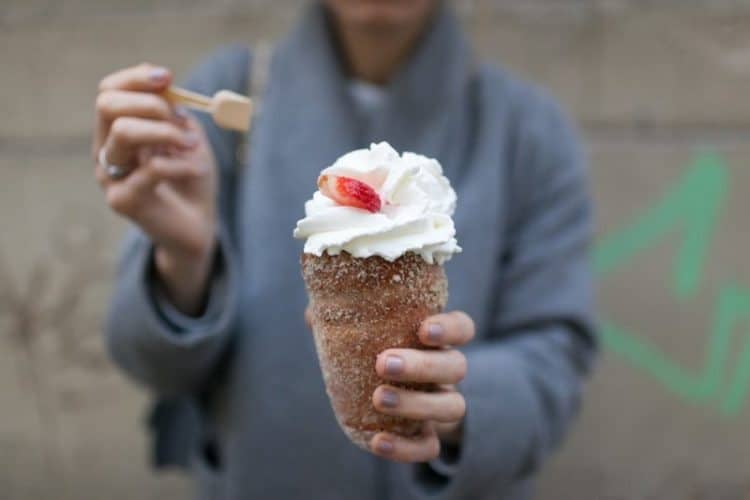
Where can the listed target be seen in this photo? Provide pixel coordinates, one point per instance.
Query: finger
(175, 168)
(447, 329)
(445, 406)
(113, 104)
(128, 134)
(412, 365)
(128, 197)
(142, 78)
(143, 155)
(424, 448)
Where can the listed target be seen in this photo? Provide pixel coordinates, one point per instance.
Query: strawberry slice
(349, 192)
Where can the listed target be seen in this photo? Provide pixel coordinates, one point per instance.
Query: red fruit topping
(349, 192)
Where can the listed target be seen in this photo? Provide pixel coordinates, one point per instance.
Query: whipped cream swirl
(417, 205)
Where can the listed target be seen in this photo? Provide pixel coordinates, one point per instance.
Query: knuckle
(104, 83)
(118, 200)
(157, 166)
(122, 201)
(122, 129)
(103, 102)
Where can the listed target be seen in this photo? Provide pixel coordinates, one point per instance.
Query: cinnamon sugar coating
(360, 307)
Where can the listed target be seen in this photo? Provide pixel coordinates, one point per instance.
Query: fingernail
(158, 75)
(435, 332)
(388, 398)
(393, 365)
(384, 446)
(181, 113)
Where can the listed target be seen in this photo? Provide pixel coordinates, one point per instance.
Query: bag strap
(258, 63)
(255, 86)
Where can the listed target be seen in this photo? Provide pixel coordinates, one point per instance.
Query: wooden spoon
(228, 109)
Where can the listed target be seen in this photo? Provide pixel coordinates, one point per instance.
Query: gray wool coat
(242, 402)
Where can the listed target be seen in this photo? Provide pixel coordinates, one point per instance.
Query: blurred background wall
(659, 90)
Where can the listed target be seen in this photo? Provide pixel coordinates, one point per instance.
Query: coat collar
(310, 67)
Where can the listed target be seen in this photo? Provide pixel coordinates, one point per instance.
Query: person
(207, 311)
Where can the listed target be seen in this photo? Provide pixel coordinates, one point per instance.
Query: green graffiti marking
(693, 207)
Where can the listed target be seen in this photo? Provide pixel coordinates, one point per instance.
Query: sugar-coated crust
(360, 307)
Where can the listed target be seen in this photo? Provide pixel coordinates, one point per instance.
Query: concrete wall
(659, 90)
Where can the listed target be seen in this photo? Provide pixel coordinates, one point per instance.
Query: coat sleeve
(170, 353)
(525, 375)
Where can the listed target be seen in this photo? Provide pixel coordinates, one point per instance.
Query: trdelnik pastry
(377, 233)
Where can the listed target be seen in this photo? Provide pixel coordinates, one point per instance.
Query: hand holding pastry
(443, 410)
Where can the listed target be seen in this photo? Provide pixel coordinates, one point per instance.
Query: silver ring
(114, 172)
